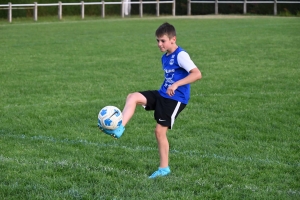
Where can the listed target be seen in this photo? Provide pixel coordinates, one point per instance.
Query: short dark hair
(165, 29)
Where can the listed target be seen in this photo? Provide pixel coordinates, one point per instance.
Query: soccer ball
(110, 117)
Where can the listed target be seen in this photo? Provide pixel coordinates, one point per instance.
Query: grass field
(239, 138)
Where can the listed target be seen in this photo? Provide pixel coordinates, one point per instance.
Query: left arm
(193, 76)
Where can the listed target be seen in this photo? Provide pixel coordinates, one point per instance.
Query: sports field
(239, 137)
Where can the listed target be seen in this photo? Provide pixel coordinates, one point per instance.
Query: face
(165, 43)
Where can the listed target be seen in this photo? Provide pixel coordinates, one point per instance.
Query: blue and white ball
(110, 117)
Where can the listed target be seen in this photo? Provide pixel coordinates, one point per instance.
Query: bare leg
(133, 99)
(163, 145)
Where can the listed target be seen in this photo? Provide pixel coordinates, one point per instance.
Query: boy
(169, 100)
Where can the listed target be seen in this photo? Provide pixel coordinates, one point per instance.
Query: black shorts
(165, 110)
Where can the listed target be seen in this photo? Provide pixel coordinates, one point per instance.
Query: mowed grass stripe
(136, 149)
(287, 95)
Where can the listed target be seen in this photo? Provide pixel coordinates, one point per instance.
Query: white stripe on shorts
(174, 113)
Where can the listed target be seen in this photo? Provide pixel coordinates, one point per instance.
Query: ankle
(164, 168)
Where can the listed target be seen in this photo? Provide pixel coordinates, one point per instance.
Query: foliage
(285, 12)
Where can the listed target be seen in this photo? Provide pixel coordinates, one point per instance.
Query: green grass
(237, 139)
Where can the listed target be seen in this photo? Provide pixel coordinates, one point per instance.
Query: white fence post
(103, 9)
(82, 9)
(245, 7)
(141, 8)
(122, 8)
(174, 8)
(188, 7)
(157, 8)
(275, 7)
(35, 12)
(216, 7)
(9, 12)
(59, 10)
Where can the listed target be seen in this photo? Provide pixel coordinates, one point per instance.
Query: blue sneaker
(117, 133)
(161, 172)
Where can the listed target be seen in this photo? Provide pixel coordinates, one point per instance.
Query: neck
(172, 50)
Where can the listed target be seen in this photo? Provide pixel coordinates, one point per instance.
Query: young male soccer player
(169, 100)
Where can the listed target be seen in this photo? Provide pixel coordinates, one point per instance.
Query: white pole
(122, 9)
(35, 12)
(275, 7)
(9, 12)
(174, 7)
(141, 8)
(157, 8)
(245, 6)
(59, 10)
(216, 7)
(82, 9)
(189, 7)
(103, 9)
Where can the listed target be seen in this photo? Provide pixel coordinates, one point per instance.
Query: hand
(171, 90)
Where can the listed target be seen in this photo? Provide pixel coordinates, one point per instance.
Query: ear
(173, 40)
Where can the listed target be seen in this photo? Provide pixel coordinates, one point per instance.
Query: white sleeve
(185, 61)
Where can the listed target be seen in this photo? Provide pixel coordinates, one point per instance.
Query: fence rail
(124, 3)
(244, 2)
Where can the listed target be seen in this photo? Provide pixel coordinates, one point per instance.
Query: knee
(160, 134)
(131, 97)
(134, 98)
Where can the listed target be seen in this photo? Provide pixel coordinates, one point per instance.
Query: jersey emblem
(171, 62)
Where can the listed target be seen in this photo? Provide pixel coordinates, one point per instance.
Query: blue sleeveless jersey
(173, 73)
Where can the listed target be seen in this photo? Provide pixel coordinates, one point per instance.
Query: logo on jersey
(171, 62)
(169, 77)
(169, 70)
